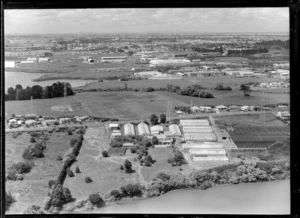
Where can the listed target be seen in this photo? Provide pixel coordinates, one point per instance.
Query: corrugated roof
(129, 129)
(143, 129)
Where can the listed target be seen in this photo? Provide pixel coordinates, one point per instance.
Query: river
(25, 79)
(255, 198)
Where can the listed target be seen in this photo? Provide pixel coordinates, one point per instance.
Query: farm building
(113, 59)
(156, 129)
(206, 109)
(128, 144)
(200, 136)
(211, 158)
(129, 129)
(195, 129)
(175, 130)
(44, 59)
(165, 76)
(194, 122)
(50, 122)
(224, 134)
(161, 62)
(195, 109)
(143, 129)
(221, 107)
(10, 64)
(208, 152)
(113, 126)
(30, 122)
(64, 120)
(200, 145)
(32, 59)
(115, 133)
(27, 62)
(147, 73)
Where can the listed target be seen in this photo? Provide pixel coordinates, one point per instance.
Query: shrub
(69, 132)
(36, 152)
(162, 176)
(34, 134)
(51, 183)
(21, 167)
(70, 173)
(133, 150)
(96, 200)
(77, 170)
(116, 194)
(8, 200)
(88, 179)
(59, 157)
(27, 155)
(105, 153)
(67, 194)
(121, 167)
(73, 141)
(32, 140)
(58, 197)
(128, 166)
(11, 175)
(132, 190)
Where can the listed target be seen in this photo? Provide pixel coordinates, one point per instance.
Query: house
(30, 122)
(245, 108)
(221, 107)
(115, 133)
(179, 112)
(10, 64)
(195, 109)
(206, 109)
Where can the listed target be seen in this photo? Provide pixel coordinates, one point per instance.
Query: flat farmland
(45, 107)
(125, 105)
(258, 136)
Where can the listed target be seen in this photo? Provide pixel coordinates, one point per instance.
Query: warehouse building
(129, 129)
(200, 145)
(197, 122)
(222, 159)
(208, 137)
(157, 129)
(118, 59)
(175, 130)
(195, 129)
(143, 129)
(10, 64)
(208, 152)
(162, 62)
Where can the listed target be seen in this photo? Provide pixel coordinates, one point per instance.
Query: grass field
(161, 155)
(33, 189)
(105, 172)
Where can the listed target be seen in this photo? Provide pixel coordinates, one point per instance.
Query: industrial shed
(195, 129)
(194, 122)
(200, 145)
(211, 158)
(143, 129)
(208, 151)
(200, 137)
(175, 130)
(156, 130)
(129, 129)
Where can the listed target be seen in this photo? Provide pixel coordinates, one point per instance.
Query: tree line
(194, 91)
(38, 92)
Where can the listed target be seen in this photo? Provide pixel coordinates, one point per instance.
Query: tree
(246, 89)
(163, 118)
(126, 86)
(155, 140)
(96, 200)
(105, 153)
(128, 166)
(88, 179)
(153, 119)
(116, 194)
(8, 200)
(77, 170)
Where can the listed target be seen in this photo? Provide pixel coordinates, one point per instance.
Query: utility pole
(261, 107)
(31, 102)
(65, 93)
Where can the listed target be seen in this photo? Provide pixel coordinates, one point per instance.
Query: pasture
(33, 189)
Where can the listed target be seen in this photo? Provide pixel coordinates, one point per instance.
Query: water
(25, 79)
(256, 198)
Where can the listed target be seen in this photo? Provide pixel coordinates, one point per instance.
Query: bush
(59, 157)
(27, 155)
(116, 194)
(128, 166)
(11, 175)
(88, 179)
(34, 134)
(105, 153)
(21, 167)
(121, 167)
(132, 190)
(70, 173)
(69, 132)
(133, 150)
(96, 200)
(162, 176)
(8, 200)
(51, 183)
(37, 152)
(73, 141)
(77, 170)
(67, 194)
(32, 140)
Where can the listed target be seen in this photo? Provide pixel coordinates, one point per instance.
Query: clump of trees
(38, 92)
(16, 171)
(147, 160)
(153, 119)
(221, 87)
(96, 200)
(60, 196)
(105, 153)
(88, 179)
(246, 89)
(193, 91)
(177, 160)
(163, 118)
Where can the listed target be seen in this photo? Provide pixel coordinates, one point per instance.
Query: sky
(146, 20)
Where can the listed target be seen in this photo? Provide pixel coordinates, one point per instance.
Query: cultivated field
(161, 155)
(34, 188)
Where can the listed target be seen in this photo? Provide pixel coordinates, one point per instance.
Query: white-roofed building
(175, 130)
(195, 129)
(30, 122)
(157, 129)
(197, 122)
(10, 64)
(115, 133)
(195, 109)
(200, 136)
(143, 129)
(206, 109)
(113, 126)
(147, 74)
(200, 145)
(129, 129)
(164, 62)
(210, 159)
(208, 151)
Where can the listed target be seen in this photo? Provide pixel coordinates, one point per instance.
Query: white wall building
(143, 129)
(10, 64)
(129, 129)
